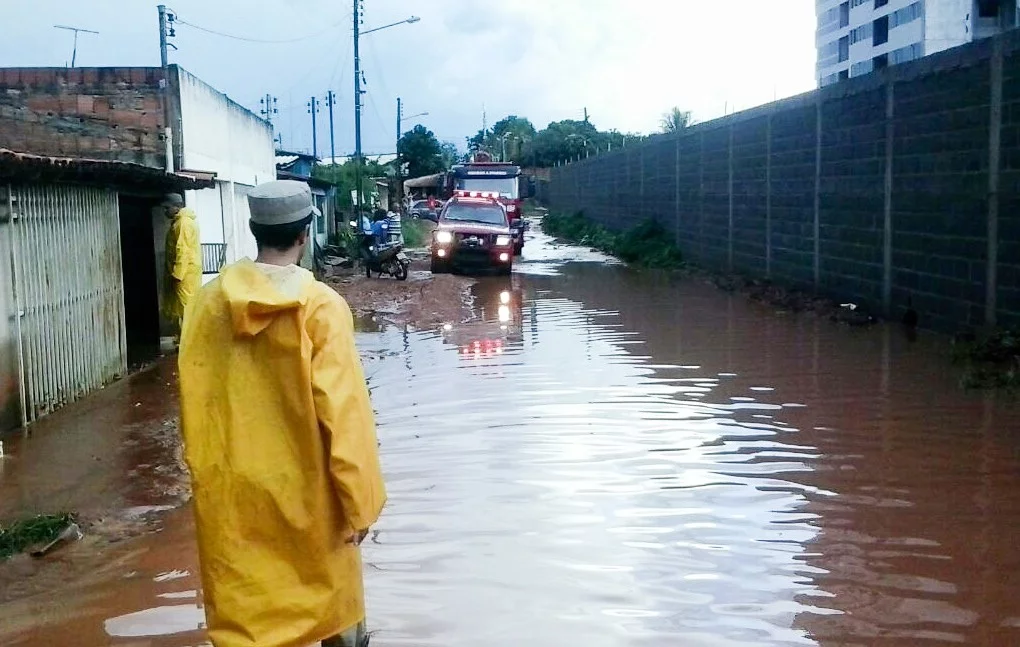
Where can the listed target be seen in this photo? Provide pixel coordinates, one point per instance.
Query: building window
(881, 31)
(862, 68)
(988, 8)
(904, 54)
(861, 34)
(844, 75)
(844, 14)
(844, 48)
(881, 61)
(905, 15)
(828, 21)
(857, 3)
(881, 3)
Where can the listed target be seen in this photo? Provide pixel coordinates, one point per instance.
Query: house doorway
(141, 285)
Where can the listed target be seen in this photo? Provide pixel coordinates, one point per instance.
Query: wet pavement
(606, 458)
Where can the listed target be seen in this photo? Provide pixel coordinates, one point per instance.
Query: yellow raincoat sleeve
(344, 411)
(188, 252)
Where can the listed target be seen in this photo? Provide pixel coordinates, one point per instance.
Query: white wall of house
(221, 136)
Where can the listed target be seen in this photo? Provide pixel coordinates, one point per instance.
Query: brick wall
(891, 190)
(99, 113)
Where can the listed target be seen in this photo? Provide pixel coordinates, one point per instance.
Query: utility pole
(330, 102)
(357, 105)
(399, 162)
(162, 36)
(586, 115)
(268, 109)
(399, 115)
(166, 32)
(313, 109)
(74, 53)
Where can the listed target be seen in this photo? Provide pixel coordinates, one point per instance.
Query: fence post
(994, 156)
(887, 226)
(701, 190)
(676, 198)
(818, 190)
(768, 193)
(729, 191)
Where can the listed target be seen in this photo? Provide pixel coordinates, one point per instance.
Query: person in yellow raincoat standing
(183, 273)
(279, 437)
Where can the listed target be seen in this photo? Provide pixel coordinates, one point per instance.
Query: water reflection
(497, 324)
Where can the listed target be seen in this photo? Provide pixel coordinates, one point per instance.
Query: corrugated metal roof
(424, 181)
(15, 166)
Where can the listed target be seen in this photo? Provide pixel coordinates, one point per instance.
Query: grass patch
(646, 245)
(991, 361)
(24, 533)
(417, 231)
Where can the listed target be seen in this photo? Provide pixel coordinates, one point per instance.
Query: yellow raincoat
(279, 436)
(183, 264)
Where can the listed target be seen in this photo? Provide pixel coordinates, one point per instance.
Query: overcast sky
(627, 61)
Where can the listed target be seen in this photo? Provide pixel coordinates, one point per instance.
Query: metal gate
(68, 284)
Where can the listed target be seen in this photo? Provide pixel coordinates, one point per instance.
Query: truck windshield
(490, 215)
(506, 186)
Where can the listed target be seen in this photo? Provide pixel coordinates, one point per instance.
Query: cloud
(627, 62)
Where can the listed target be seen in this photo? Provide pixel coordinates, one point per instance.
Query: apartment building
(855, 37)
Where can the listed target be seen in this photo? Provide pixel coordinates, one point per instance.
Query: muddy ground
(114, 459)
(423, 300)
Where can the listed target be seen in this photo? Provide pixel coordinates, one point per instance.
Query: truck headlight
(444, 237)
(502, 241)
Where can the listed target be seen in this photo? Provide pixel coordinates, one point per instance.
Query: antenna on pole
(74, 52)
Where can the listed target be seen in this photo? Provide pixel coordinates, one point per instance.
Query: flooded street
(610, 458)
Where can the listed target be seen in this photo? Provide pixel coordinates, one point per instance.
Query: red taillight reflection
(483, 348)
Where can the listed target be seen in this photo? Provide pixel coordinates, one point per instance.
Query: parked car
(472, 233)
(420, 209)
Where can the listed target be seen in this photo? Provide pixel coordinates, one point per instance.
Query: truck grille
(485, 239)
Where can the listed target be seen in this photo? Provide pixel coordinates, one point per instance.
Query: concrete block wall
(893, 190)
(97, 113)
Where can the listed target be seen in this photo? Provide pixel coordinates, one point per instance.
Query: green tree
(450, 154)
(421, 151)
(344, 176)
(516, 131)
(676, 120)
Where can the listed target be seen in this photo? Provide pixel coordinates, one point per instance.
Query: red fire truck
(494, 177)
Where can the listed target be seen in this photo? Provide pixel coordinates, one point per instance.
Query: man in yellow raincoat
(183, 273)
(279, 437)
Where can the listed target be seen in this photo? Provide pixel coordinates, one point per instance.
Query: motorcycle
(383, 258)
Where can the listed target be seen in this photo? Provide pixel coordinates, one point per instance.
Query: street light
(409, 21)
(357, 89)
(502, 140)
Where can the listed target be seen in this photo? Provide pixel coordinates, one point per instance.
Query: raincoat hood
(257, 294)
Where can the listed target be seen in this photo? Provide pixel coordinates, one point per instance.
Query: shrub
(19, 535)
(991, 361)
(648, 244)
(416, 231)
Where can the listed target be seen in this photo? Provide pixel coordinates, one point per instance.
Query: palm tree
(676, 120)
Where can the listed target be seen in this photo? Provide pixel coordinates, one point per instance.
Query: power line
(257, 40)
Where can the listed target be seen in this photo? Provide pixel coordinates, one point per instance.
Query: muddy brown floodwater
(606, 458)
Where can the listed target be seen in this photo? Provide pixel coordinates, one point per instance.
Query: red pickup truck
(473, 232)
